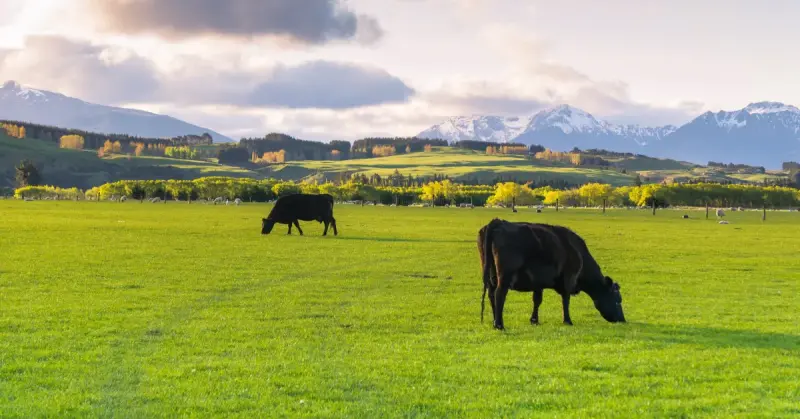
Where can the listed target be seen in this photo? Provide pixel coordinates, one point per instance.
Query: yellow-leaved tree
(508, 192)
(74, 142)
(436, 191)
(593, 194)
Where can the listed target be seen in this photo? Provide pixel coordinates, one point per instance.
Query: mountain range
(762, 133)
(19, 103)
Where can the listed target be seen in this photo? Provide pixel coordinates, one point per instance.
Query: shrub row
(439, 193)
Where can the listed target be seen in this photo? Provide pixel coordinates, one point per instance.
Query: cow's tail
(488, 261)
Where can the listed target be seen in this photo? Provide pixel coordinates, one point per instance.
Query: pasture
(141, 310)
(458, 164)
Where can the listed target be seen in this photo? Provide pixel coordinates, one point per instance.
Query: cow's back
(542, 250)
(304, 207)
(579, 264)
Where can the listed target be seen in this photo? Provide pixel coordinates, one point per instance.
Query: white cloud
(110, 75)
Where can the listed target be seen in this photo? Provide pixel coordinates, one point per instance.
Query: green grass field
(458, 164)
(140, 310)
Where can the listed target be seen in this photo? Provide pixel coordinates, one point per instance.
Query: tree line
(365, 147)
(293, 148)
(13, 130)
(94, 140)
(737, 167)
(438, 192)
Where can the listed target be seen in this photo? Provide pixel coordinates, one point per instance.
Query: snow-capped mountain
(553, 127)
(20, 103)
(762, 133)
(483, 128)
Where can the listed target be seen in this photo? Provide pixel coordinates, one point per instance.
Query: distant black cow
(291, 208)
(528, 257)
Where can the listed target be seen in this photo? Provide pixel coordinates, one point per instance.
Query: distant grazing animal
(720, 213)
(723, 222)
(155, 200)
(237, 201)
(123, 198)
(307, 207)
(685, 216)
(527, 257)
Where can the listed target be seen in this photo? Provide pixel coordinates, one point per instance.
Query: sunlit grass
(140, 310)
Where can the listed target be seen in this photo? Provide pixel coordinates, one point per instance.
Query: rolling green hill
(67, 168)
(84, 169)
(458, 164)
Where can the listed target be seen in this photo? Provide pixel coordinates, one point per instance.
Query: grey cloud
(324, 84)
(605, 100)
(109, 76)
(612, 102)
(305, 21)
(87, 70)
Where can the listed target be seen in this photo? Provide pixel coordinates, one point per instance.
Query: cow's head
(266, 225)
(609, 302)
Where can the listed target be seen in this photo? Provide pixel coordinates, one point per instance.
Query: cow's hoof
(535, 322)
(568, 322)
(499, 327)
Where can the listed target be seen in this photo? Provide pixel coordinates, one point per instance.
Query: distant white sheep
(720, 212)
(724, 222)
(237, 201)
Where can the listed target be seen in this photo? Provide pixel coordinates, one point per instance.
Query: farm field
(458, 164)
(141, 310)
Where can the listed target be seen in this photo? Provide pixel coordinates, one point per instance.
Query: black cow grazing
(291, 208)
(528, 257)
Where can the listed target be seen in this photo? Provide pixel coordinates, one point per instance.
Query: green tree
(27, 174)
(285, 188)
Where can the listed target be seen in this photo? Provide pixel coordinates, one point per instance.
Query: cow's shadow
(402, 239)
(710, 336)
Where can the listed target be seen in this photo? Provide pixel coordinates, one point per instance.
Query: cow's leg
(325, 233)
(537, 301)
(290, 229)
(500, 301)
(565, 306)
(491, 300)
(296, 224)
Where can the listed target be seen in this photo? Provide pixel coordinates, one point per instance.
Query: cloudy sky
(328, 69)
